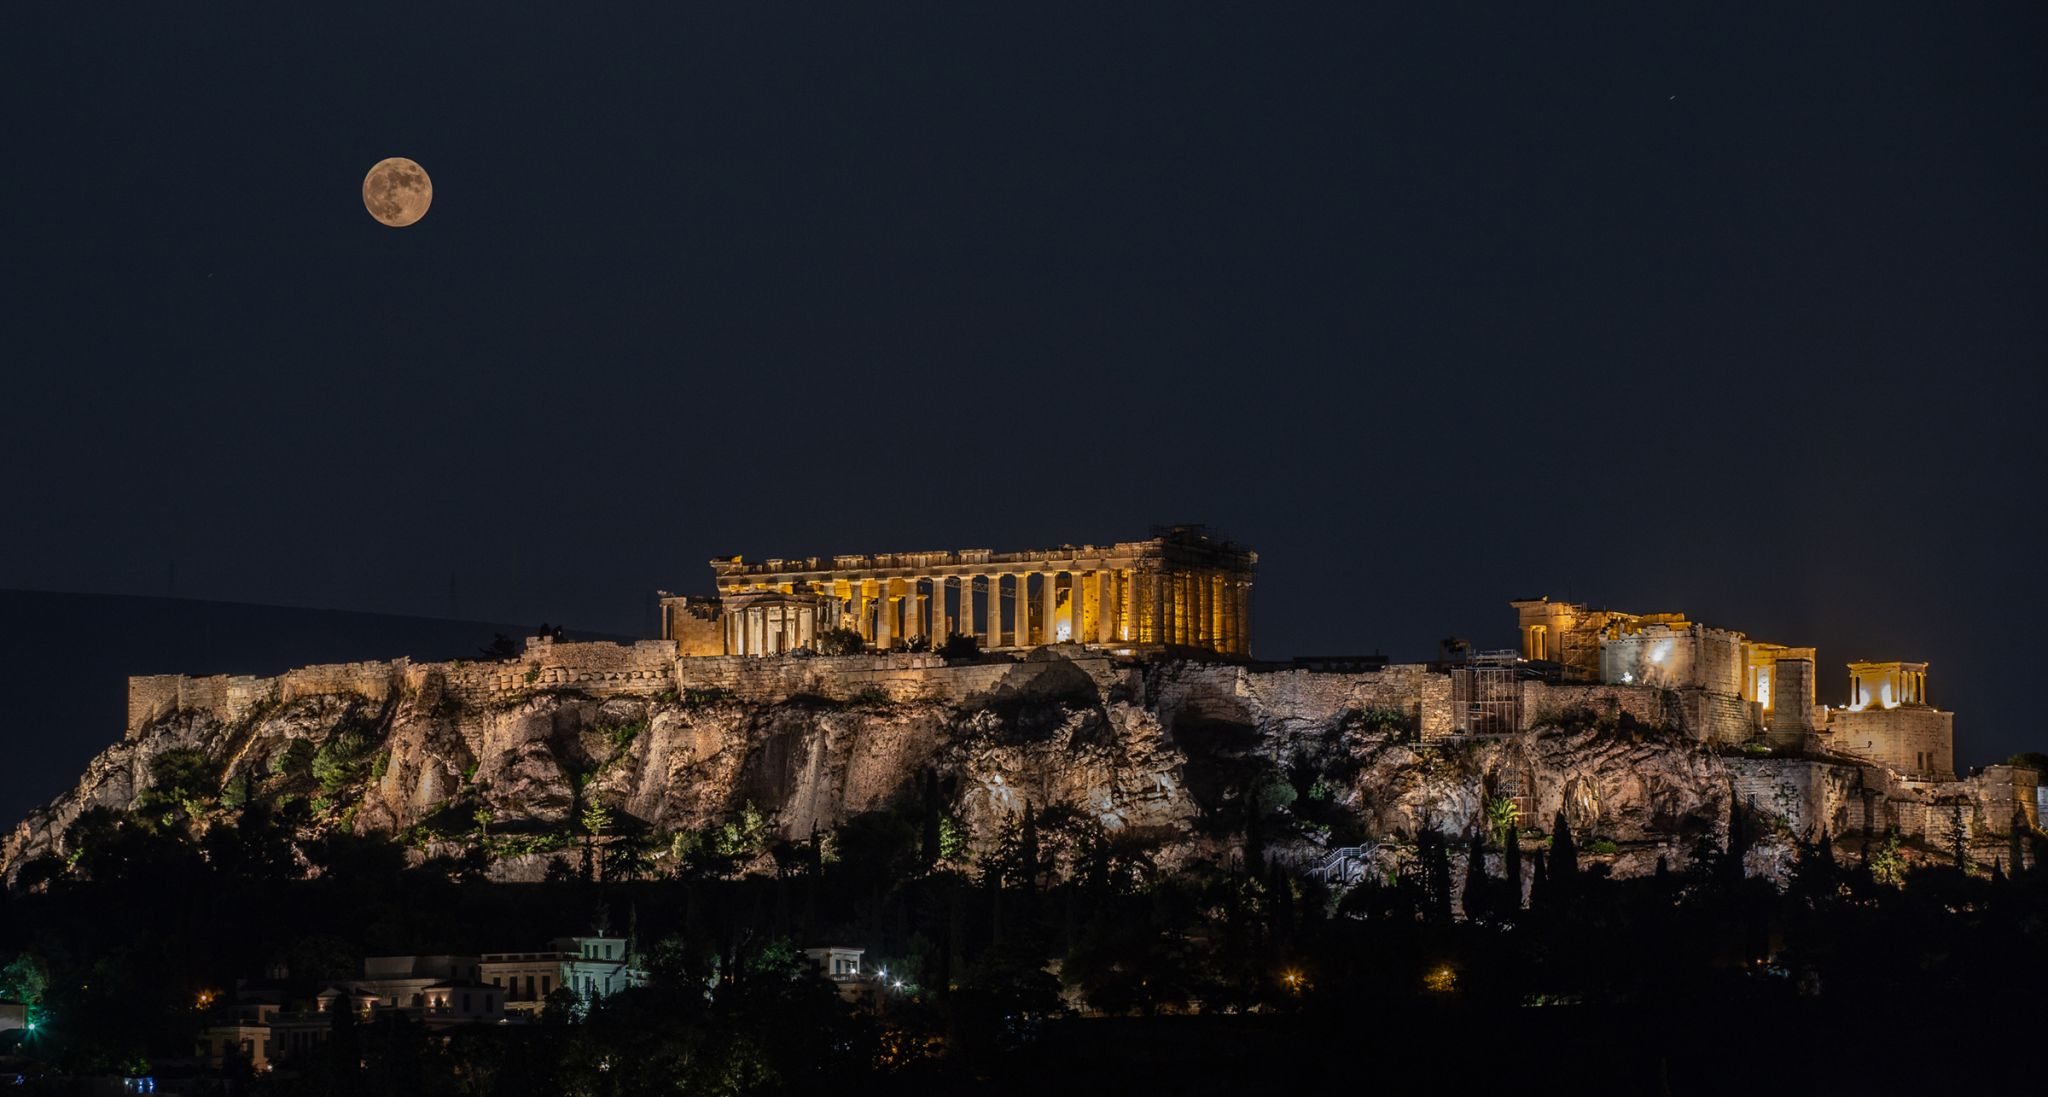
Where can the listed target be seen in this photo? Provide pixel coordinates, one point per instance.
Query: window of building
(546, 985)
(1763, 686)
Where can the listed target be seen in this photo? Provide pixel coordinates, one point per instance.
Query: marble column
(964, 623)
(1049, 608)
(1155, 607)
(992, 614)
(1105, 606)
(885, 616)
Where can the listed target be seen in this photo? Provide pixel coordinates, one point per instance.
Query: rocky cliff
(1189, 757)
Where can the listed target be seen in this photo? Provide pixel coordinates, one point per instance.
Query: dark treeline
(1064, 949)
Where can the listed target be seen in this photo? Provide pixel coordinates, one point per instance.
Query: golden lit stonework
(1177, 590)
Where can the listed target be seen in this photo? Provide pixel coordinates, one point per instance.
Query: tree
(1958, 837)
(1511, 860)
(2031, 759)
(958, 646)
(1738, 838)
(1887, 865)
(1436, 875)
(1564, 856)
(1477, 882)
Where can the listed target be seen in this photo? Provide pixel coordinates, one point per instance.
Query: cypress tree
(1564, 856)
(1511, 860)
(1997, 871)
(1539, 886)
(1477, 882)
(1958, 837)
(1738, 837)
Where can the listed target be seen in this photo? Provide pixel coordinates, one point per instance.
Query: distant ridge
(69, 656)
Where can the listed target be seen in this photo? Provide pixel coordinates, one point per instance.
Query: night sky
(1658, 306)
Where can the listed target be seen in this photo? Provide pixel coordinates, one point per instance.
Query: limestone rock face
(1179, 752)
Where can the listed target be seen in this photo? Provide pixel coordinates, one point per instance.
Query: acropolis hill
(1115, 683)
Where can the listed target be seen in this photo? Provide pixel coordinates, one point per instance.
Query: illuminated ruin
(1743, 689)
(1178, 590)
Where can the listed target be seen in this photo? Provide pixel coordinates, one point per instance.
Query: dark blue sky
(1663, 306)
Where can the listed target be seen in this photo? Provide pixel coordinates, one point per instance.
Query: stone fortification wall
(1808, 798)
(1919, 741)
(600, 669)
(232, 697)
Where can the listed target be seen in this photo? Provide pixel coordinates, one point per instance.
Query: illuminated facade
(1743, 689)
(1178, 590)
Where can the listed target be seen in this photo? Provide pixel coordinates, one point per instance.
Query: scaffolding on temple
(1486, 692)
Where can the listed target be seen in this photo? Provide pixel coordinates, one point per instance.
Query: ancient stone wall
(1791, 717)
(1421, 697)
(1688, 657)
(1918, 741)
(228, 697)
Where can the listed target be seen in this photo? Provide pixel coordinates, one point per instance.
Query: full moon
(397, 192)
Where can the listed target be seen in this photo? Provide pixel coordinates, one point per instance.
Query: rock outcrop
(1200, 760)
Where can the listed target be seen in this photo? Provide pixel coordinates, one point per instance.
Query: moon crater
(397, 191)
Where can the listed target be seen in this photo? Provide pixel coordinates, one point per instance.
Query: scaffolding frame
(1486, 692)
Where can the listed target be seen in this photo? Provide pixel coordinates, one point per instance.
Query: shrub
(295, 760)
(381, 766)
(1604, 846)
(960, 647)
(841, 641)
(340, 760)
(873, 695)
(183, 776)
(236, 793)
(622, 736)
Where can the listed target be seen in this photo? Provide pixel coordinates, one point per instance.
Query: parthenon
(1177, 589)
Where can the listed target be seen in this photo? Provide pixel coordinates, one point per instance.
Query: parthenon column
(966, 623)
(941, 621)
(1244, 617)
(1127, 604)
(1155, 607)
(1219, 633)
(885, 616)
(1049, 608)
(1105, 606)
(992, 622)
